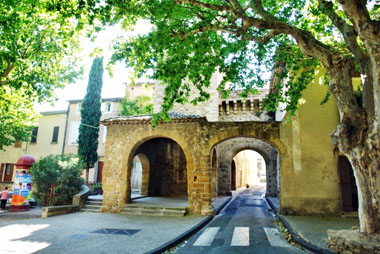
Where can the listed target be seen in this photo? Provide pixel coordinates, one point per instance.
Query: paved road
(244, 226)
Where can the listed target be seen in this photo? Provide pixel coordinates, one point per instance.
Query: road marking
(274, 238)
(206, 238)
(240, 236)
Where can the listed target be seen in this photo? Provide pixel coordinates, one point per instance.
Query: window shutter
(2, 172)
(55, 134)
(34, 135)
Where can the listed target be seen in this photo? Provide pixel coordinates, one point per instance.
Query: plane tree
(191, 39)
(38, 45)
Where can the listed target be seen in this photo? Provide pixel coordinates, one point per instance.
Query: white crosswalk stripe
(206, 238)
(274, 238)
(240, 236)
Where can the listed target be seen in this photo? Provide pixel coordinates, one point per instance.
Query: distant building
(110, 107)
(48, 138)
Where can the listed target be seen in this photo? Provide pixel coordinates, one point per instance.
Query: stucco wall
(309, 184)
(44, 145)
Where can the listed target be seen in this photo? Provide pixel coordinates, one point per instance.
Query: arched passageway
(140, 175)
(162, 170)
(250, 169)
(230, 178)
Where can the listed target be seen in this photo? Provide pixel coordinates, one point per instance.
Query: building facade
(197, 149)
(48, 138)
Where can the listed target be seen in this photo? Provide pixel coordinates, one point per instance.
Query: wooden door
(347, 185)
(8, 172)
(233, 175)
(100, 171)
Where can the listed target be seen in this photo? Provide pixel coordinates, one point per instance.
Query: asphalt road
(244, 226)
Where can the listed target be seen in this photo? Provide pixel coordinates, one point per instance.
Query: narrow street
(244, 226)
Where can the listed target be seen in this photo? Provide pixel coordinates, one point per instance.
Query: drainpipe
(65, 131)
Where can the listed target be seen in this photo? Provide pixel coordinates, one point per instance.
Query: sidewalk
(313, 229)
(94, 232)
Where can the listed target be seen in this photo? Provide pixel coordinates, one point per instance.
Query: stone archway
(193, 134)
(167, 175)
(228, 149)
(140, 173)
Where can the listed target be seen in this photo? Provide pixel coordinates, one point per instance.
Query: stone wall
(226, 153)
(236, 109)
(167, 163)
(208, 109)
(233, 108)
(195, 136)
(353, 242)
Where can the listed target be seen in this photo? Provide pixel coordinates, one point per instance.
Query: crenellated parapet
(236, 108)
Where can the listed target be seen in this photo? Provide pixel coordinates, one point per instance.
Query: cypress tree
(91, 113)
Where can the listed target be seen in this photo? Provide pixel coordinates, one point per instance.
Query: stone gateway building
(192, 156)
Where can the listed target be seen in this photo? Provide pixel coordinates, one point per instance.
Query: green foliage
(38, 45)
(56, 178)
(16, 116)
(191, 40)
(183, 45)
(91, 113)
(141, 105)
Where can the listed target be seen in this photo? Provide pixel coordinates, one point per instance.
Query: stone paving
(314, 228)
(90, 232)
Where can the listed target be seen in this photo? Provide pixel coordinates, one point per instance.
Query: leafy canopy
(141, 105)
(38, 45)
(192, 39)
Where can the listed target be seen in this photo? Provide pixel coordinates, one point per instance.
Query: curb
(138, 197)
(301, 241)
(189, 232)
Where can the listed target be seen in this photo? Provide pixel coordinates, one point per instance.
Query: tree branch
(349, 33)
(357, 12)
(257, 6)
(199, 4)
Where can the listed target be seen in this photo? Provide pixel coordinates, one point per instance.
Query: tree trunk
(357, 137)
(87, 173)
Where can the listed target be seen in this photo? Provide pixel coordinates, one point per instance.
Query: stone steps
(132, 209)
(93, 206)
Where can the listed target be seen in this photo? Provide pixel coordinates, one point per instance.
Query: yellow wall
(43, 146)
(310, 184)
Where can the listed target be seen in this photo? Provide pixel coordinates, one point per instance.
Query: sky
(112, 86)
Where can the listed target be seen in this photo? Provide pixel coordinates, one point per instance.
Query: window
(55, 134)
(104, 134)
(107, 107)
(8, 169)
(34, 135)
(79, 106)
(74, 132)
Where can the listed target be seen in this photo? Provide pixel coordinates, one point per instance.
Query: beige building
(110, 107)
(48, 138)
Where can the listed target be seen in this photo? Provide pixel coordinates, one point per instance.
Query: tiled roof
(175, 117)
